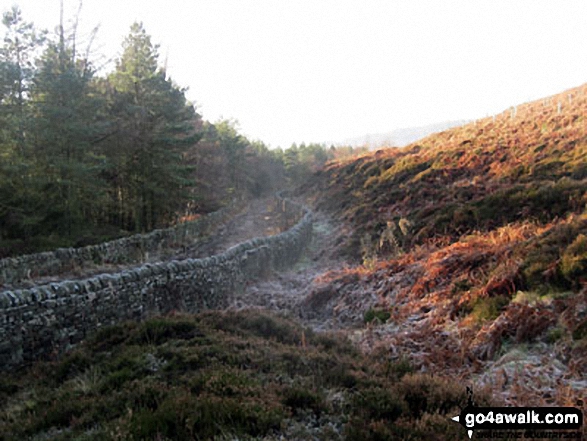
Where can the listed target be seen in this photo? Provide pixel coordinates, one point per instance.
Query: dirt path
(287, 292)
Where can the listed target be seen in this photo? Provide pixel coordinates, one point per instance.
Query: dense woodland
(88, 157)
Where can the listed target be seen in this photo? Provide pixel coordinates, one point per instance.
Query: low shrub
(375, 314)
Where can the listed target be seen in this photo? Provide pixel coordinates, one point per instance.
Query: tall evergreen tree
(17, 54)
(21, 43)
(66, 124)
(234, 148)
(155, 125)
(82, 157)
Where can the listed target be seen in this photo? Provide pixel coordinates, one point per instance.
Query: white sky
(323, 71)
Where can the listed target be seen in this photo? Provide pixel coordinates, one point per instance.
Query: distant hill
(400, 137)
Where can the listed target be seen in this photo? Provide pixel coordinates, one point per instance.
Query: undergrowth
(495, 208)
(245, 375)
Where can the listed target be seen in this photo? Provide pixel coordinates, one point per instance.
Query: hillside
(480, 176)
(473, 243)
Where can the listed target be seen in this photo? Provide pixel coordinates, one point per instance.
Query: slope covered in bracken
(474, 249)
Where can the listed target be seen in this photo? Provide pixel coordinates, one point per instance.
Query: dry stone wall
(127, 250)
(47, 320)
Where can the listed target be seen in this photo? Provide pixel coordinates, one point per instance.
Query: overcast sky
(324, 71)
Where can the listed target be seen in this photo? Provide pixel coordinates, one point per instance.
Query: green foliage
(298, 399)
(573, 264)
(431, 394)
(378, 315)
(236, 165)
(153, 127)
(85, 159)
(156, 331)
(461, 286)
(488, 308)
(400, 368)
(302, 161)
(239, 375)
(138, 63)
(71, 365)
(379, 404)
(17, 66)
(554, 334)
(418, 407)
(64, 125)
(555, 260)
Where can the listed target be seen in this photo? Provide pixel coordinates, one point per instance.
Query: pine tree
(65, 125)
(17, 54)
(21, 42)
(234, 148)
(154, 126)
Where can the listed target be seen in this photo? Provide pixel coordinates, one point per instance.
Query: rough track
(286, 292)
